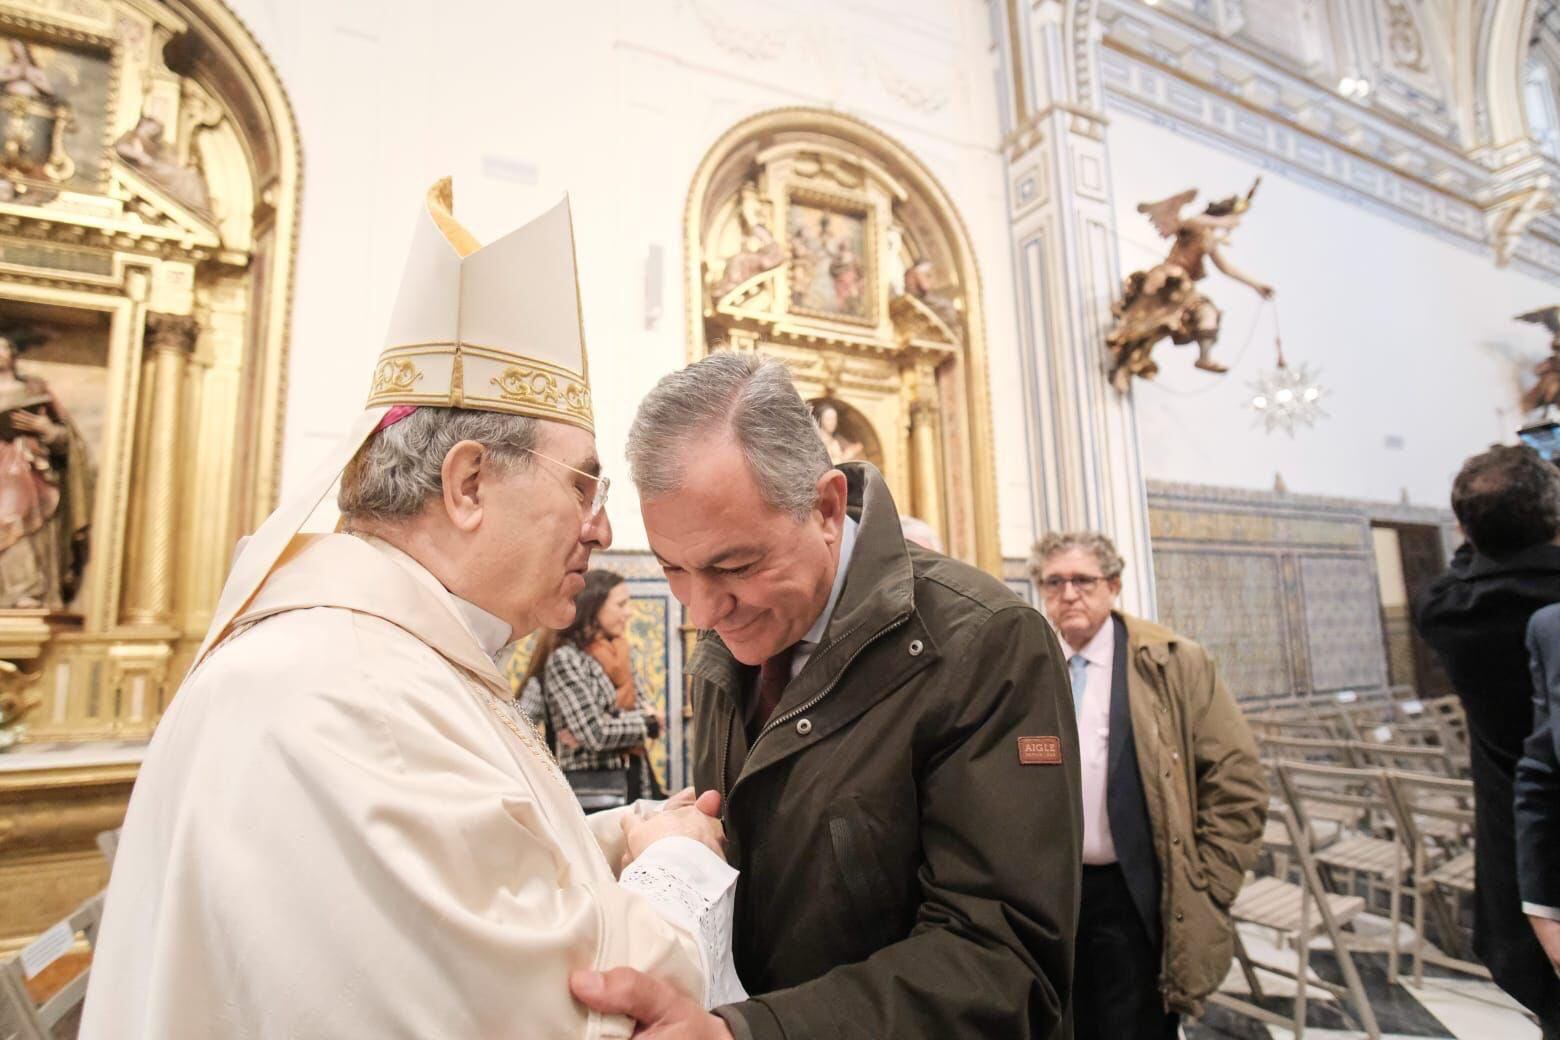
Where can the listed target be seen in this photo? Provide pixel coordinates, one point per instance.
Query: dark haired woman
(591, 700)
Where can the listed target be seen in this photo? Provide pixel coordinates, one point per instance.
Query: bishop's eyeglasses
(595, 492)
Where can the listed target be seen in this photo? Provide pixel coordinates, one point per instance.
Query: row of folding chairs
(1434, 759)
(1438, 723)
(1338, 838)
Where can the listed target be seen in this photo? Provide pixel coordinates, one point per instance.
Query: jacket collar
(340, 570)
(1474, 565)
(879, 588)
(1147, 637)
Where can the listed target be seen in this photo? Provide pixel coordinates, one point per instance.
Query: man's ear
(1114, 584)
(832, 494)
(465, 467)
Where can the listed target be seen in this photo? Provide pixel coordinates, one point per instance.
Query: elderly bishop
(342, 827)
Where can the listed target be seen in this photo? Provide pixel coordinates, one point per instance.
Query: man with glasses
(1173, 801)
(343, 827)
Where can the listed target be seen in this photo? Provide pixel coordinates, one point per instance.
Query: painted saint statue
(46, 487)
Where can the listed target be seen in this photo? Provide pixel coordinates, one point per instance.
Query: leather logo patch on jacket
(1039, 751)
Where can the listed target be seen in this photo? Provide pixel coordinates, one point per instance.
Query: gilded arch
(817, 239)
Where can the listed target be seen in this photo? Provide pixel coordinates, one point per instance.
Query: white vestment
(340, 831)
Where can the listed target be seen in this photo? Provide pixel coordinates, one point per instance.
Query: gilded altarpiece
(817, 240)
(149, 176)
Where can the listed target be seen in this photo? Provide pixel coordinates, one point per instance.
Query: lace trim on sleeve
(690, 887)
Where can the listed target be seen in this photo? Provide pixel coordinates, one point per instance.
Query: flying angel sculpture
(1546, 391)
(1164, 300)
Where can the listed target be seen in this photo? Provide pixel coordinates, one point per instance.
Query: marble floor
(1448, 1004)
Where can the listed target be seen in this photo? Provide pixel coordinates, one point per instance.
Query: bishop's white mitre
(495, 328)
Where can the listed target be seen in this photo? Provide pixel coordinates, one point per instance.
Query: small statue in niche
(841, 448)
(1164, 300)
(22, 77)
(760, 250)
(920, 282)
(46, 486)
(142, 146)
(1546, 392)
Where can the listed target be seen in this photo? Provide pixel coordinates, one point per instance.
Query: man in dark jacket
(1475, 617)
(1538, 789)
(891, 733)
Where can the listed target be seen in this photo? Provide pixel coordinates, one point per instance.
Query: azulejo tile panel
(1232, 604)
(1343, 622)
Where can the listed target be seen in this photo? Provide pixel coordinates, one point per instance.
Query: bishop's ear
(461, 482)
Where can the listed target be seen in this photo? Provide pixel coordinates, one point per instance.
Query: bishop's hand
(685, 816)
(659, 1011)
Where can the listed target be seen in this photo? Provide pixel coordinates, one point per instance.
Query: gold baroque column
(170, 339)
(926, 443)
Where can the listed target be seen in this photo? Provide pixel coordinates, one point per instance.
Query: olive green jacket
(904, 872)
(1207, 803)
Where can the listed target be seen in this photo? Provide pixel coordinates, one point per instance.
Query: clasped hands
(659, 1011)
(684, 815)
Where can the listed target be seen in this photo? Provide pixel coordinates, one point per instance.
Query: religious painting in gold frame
(833, 257)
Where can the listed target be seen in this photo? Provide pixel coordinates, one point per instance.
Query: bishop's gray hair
(1104, 550)
(395, 474)
(752, 398)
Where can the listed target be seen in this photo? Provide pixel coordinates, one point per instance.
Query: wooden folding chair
(1297, 913)
(1368, 849)
(1435, 818)
(1284, 748)
(26, 1017)
(1409, 758)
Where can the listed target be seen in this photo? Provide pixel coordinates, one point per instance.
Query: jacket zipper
(778, 720)
(800, 708)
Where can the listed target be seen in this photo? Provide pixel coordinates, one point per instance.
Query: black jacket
(904, 872)
(1475, 617)
(1538, 773)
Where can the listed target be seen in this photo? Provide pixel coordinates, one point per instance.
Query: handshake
(683, 815)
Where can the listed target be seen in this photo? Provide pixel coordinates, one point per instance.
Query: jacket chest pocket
(871, 880)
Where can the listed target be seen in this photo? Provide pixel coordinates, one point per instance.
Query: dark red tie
(773, 675)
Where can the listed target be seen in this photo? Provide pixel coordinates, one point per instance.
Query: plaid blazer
(580, 698)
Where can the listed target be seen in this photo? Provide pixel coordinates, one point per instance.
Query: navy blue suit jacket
(1538, 771)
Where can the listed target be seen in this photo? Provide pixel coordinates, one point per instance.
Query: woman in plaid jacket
(590, 698)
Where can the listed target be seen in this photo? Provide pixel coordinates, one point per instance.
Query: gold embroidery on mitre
(394, 377)
(535, 387)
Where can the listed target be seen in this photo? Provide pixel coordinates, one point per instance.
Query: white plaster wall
(616, 103)
(1413, 335)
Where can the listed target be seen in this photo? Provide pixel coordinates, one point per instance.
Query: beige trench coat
(335, 834)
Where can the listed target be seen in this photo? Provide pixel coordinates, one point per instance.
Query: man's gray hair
(747, 395)
(1104, 550)
(395, 474)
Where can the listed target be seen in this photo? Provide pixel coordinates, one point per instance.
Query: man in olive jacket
(890, 732)
(1174, 801)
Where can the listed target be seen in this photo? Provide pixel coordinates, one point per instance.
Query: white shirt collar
(491, 632)
(847, 543)
(1100, 650)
